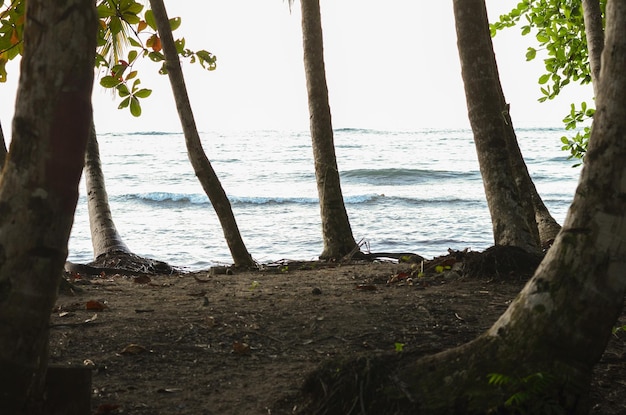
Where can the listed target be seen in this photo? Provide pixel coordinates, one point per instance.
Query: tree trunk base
(455, 381)
(126, 261)
(67, 391)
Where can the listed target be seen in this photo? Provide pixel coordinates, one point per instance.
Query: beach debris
(169, 390)
(201, 280)
(400, 276)
(366, 287)
(220, 270)
(133, 349)
(241, 347)
(95, 305)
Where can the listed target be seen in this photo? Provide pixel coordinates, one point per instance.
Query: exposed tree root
(120, 262)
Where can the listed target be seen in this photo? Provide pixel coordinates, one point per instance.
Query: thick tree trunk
(104, 235)
(201, 164)
(559, 325)
(505, 178)
(594, 33)
(547, 226)
(336, 230)
(39, 187)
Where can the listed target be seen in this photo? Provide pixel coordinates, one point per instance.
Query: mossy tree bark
(39, 187)
(199, 161)
(336, 230)
(559, 324)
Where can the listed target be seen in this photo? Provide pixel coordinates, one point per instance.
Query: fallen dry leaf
(133, 349)
(241, 348)
(398, 277)
(95, 305)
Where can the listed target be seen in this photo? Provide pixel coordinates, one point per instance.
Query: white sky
(389, 66)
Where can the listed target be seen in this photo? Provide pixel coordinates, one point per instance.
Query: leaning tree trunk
(504, 173)
(557, 328)
(110, 251)
(105, 238)
(39, 187)
(201, 164)
(336, 230)
(594, 32)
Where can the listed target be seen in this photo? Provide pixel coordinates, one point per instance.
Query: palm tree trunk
(105, 238)
(505, 178)
(39, 187)
(201, 164)
(336, 230)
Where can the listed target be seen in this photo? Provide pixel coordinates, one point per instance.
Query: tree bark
(39, 187)
(201, 164)
(594, 33)
(104, 235)
(505, 177)
(3, 149)
(336, 230)
(560, 323)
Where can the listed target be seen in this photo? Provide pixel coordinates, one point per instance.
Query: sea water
(405, 191)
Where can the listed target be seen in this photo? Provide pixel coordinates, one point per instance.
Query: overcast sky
(390, 65)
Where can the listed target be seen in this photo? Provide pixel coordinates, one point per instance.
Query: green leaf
(132, 55)
(122, 90)
(124, 103)
(136, 85)
(544, 78)
(131, 18)
(208, 59)
(135, 107)
(156, 56)
(105, 10)
(149, 17)
(109, 81)
(134, 43)
(134, 8)
(180, 45)
(531, 54)
(143, 93)
(175, 23)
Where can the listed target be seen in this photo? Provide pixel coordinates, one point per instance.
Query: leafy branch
(122, 26)
(559, 29)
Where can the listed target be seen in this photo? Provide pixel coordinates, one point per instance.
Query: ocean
(405, 191)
